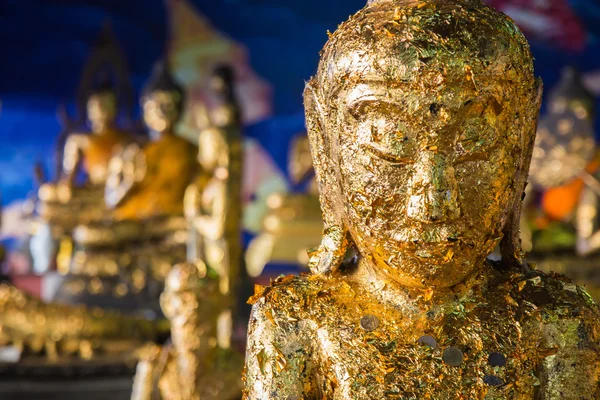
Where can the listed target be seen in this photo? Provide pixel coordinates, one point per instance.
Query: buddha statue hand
(125, 170)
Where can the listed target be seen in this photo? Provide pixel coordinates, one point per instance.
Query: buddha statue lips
(421, 120)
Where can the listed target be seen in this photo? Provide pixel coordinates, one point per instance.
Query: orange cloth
(101, 147)
(559, 203)
(171, 165)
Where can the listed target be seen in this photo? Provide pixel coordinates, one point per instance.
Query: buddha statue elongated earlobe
(510, 246)
(335, 242)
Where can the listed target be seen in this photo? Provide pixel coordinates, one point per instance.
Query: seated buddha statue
(145, 233)
(150, 182)
(195, 365)
(67, 203)
(422, 118)
(293, 223)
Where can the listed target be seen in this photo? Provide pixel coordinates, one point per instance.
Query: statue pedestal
(67, 389)
(65, 381)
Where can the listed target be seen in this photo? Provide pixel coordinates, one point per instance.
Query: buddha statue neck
(421, 120)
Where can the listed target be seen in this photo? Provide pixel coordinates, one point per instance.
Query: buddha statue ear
(510, 246)
(335, 241)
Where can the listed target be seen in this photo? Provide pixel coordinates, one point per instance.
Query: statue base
(34, 380)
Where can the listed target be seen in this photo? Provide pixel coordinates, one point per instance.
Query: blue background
(44, 45)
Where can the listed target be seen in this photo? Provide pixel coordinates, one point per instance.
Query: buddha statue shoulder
(422, 119)
(151, 181)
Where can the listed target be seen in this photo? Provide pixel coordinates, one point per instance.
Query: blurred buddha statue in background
(145, 233)
(561, 223)
(72, 200)
(195, 364)
(92, 152)
(201, 295)
(84, 153)
(422, 118)
(214, 202)
(293, 224)
(150, 182)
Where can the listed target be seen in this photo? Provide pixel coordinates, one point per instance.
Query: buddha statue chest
(501, 339)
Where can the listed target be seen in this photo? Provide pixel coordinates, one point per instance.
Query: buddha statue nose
(433, 190)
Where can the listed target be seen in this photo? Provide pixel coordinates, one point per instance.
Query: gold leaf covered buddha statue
(422, 119)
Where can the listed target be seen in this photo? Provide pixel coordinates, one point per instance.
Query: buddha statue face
(162, 100)
(161, 110)
(101, 110)
(420, 130)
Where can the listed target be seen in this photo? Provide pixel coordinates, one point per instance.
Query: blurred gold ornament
(421, 121)
(51, 332)
(561, 221)
(145, 229)
(293, 224)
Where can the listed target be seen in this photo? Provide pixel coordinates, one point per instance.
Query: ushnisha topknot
(421, 36)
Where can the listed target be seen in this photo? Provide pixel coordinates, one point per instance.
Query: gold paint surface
(421, 120)
(69, 332)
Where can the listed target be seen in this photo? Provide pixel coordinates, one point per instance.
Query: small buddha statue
(94, 151)
(214, 201)
(66, 202)
(194, 366)
(151, 182)
(422, 119)
(293, 223)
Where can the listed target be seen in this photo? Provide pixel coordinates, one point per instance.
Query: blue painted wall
(44, 43)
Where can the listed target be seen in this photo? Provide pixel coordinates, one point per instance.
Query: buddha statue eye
(477, 137)
(382, 130)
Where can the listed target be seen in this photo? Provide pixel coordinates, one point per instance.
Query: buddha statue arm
(572, 371)
(126, 172)
(277, 363)
(586, 220)
(212, 226)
